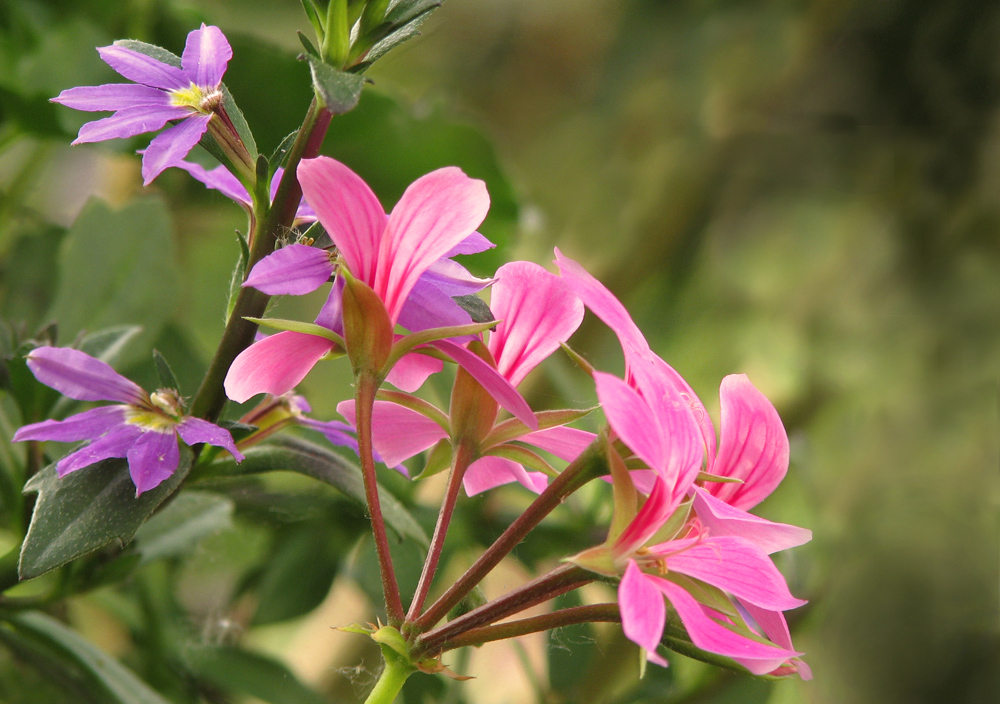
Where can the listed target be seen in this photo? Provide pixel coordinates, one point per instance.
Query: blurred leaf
(115, 268)
(239, 671)
(178, 528)
(571, 650)
(117, 683)
(339, 91)
(292, 454)
(86, 510)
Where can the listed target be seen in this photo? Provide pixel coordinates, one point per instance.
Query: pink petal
(348, 210)
(195, 430)
(274, 365)
(412, 370)
(437, 212)
(78, 375)
(736, 566)
(83, 426)
(206, 56)
(293, 270)
(171, 146)
(537, 312)
(152, 459)
(643, 612)
(112, 96)
(654, 513)
(489, 472)
(711, 636)
(497, 387)
(398, 433)
(219, 179)
(564, 443)
(633, 420)
(115, 443)
(140, 68)
(129, 122)
(453, 279)
(719, 518)
(776, 629)
(753, 445)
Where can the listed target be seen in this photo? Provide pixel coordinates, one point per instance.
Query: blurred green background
(802, 190)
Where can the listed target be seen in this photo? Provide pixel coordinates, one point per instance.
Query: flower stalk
(513, 629)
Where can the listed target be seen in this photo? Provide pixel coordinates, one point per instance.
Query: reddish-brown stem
(534, 624)
(366, 386)
(589, 464)
(559, 581)
(463, 458)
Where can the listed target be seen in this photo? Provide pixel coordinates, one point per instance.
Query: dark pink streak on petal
(776, 629)
(274, 365)
(152, 459)
(537, 312)
(171, 146)
(497, 387)
(111, 96)
(293, 270)
(144, 69)
(115, 443)
(206, 55)
(348, 210)
(651, 517)
(129, 122)
(78, 375)
(437, 212)
(195, 430)
(83, 426)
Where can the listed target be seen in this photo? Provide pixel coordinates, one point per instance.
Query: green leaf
(118, 684)
(314, 18)
(239, 122)
(407, 10)
(118, 267)
(178, 528)
(86, 510)
(164, 371)
(298, 326)
(307, 45)
(292, 454)
(280, 153)
(156, 52)
(240, 671)
(512, 428)
(339, 91)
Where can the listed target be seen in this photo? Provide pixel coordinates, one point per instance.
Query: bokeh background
(805, 191)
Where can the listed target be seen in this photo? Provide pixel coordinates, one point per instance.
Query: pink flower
(537, 312)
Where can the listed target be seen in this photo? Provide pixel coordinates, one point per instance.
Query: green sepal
(674, 524)
(597, 559)
(310, 48)
(524, 456)
(151, 50)
(392, 639)
(439, 460)
(712, 597)
(86, 510)
(512, 428)
(280, 154)
(339, 92)
(407, 343)
(357, 628)
(706, 477)
(367, 328)
(676, 639)
(626, 498)
(299, 326)
(166, 374)
(578, 359)
(239, 122)
(414, 403)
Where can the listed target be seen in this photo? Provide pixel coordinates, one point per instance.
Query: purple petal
(274, 365)
(436, 212)
(83, 426)
(349, 211)
(293, 270)
(206, 55)
(736, 566)
(473, 244)
(489, 472)
(111, 96)
(719, 518)
(152, 459)
(398, 433)
(643, 612)
(195, 430)
(78, 375)
(753, 445)
(713, 637)
(144, 69)
(339, 434)
(537, 312)
(497, 387)
(453, 278)
(116, 443)
(429, 307)
(130, 122)
(331, 315)
(412, 370)
(219, 179)
(170, 147)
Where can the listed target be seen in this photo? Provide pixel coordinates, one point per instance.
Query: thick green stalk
(392, 679)
(269, 222)
(588, 465)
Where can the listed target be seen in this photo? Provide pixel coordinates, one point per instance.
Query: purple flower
(143, 429)
(160, 93)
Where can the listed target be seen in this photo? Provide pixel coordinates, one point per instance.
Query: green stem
(366, 386)
(591, 463)
(463, 458)
(534, 624)
(392, 679)
(251, 303)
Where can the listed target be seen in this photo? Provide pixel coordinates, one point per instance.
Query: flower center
(161, 415)
(201, 99)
